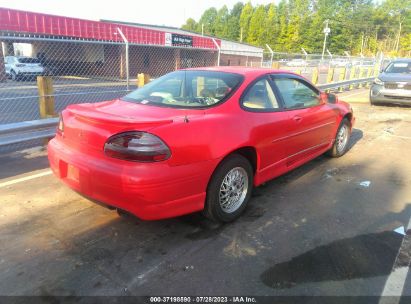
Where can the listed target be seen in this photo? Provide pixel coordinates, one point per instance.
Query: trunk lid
(88, 126)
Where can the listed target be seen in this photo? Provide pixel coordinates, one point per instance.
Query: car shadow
(362, 256)
(356, 136)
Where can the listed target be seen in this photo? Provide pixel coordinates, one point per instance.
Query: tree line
(357, 26)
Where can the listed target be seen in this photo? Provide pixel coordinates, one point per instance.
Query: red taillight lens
(60, 126)
(137, 146)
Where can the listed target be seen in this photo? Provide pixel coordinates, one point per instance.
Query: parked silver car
(393, 85)
(18, 67)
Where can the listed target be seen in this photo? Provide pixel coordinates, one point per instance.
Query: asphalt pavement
(326, 228)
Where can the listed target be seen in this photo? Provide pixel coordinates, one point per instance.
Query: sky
(157, 12)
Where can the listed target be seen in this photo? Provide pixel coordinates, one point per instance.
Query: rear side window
(187, 89)
(260, 96)
(296, 94)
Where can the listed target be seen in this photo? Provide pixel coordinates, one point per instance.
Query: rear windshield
(187, 89)
(28, 60)
(399, 67)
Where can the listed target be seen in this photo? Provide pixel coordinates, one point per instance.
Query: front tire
(229, 189)
(340, 146)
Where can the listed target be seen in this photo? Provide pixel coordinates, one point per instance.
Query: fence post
(330, 75)
(219, 51)
(315, 76)
(142, 79)
(2, 69)
(127, 59)
(46, 100)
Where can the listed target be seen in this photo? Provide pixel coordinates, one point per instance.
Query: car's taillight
(20, 65)
(137, 146)
(60, 126)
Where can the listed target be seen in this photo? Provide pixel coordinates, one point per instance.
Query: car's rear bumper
(379, 94)
(149, 191)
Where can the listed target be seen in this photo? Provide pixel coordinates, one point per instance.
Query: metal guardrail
(19, 132)
(46, 128)
(345, 84)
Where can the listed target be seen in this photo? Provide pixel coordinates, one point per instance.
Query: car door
(312, 121)
(269, 124)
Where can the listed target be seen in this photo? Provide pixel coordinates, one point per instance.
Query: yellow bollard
(330, 75)
(369, 74)
(142, 79)
(314, 78)
(276, 65)
(46, 100)
(361, 75)
(341, 77)
(200, 85)
(343, 72)
(297, 72)
(376, 70)
(352, 76)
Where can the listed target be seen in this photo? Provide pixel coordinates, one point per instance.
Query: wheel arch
(249, 153)
(349, 116)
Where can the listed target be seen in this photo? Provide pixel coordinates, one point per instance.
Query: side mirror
(323, 97)
(332, 98)
(328, 98)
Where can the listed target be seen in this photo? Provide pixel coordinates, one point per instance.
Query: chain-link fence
(82, 71)
(93, 71)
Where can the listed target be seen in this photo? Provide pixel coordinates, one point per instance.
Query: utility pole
(362, 44)
(202, 29)
(326, 32)
(241, 34)
(397, 44)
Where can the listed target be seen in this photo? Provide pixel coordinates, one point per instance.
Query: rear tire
(342, 138)
(229, 189)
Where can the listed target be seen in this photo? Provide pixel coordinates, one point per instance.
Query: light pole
(272, 55)
(327, 30)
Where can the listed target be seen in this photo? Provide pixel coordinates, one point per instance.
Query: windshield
(28, 60)
(187, 89)
(399, 67)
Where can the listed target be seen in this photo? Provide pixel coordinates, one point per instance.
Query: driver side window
(296, 94)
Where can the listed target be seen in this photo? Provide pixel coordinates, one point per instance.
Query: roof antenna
(186, 119)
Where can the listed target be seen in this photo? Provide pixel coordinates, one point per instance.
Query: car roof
(246, 71)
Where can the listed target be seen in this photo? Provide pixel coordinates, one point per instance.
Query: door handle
(297, 118)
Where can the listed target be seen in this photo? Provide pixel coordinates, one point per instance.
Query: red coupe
(197, 140)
